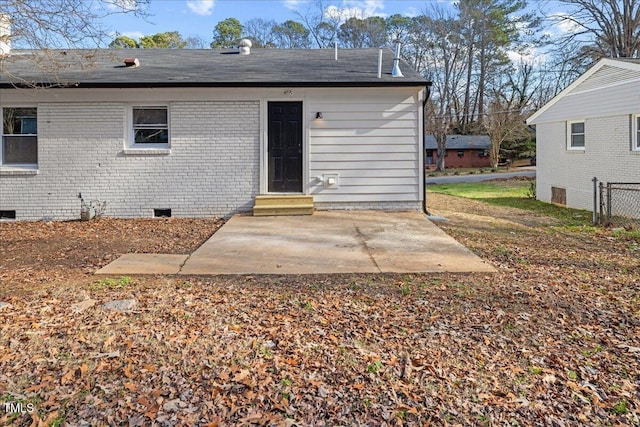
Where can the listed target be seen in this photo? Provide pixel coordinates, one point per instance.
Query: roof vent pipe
(380, 63)
(245, 46)
(396, 63)
(336, 50)
(131, 62)
(5, 35)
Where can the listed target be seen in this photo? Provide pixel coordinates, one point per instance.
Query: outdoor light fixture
(318, 115)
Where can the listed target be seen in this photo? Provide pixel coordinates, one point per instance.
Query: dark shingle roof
(461, 142)
(204, 67)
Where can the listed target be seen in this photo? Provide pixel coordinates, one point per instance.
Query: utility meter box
(330, 180)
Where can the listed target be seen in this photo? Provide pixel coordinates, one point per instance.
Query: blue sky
(199, 17)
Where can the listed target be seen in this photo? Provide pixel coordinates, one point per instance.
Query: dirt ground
(552, 339)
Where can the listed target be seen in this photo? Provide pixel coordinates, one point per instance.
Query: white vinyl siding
(370, 139)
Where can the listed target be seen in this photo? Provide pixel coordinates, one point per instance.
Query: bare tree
(323, 29)
(442, 59)
(503, 123)
(61, 24)
(438, 126)
(260, 32)
(50, 24)
(608, 28)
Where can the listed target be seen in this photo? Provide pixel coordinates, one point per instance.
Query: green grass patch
(483, 190)
(514, 194)
(111, 284)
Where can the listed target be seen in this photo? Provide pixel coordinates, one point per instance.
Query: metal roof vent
(395, 72)
(5, 35)
(245, 46)
(131, 62)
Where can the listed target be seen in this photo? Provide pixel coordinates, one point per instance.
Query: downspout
(427, 89)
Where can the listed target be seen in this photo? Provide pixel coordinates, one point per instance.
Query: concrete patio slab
(332, 242)
(145, 264)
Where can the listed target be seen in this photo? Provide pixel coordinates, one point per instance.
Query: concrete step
(283, 200)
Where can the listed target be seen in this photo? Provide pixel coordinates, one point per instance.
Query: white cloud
(201, 7)
(411, 12)
(563, 23)
(530, 57)
(360, 9)
(293, 4)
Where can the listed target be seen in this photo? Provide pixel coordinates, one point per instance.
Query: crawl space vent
(162, 213)
(559, 196)
(7, 214)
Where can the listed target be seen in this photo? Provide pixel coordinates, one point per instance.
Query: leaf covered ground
(552, 339)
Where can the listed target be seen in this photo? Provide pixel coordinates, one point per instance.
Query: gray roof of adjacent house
(460, 142)
(204, 68)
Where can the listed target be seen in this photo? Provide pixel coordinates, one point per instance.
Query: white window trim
(17, 168)
(569, 134)
(635, 138)
(131, 147)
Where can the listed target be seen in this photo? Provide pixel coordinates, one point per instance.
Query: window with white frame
(575, 135)
(150, 127)
(19, 136)
(635, 143)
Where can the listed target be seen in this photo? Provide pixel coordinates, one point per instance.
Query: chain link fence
(618, 204)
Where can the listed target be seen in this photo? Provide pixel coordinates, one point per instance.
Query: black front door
(285, 147)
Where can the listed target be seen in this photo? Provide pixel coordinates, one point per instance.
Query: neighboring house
(203, 132)
(590, 129)
(463, 151)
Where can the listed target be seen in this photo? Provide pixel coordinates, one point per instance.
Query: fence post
(608, 204)
(595, 200)
(601, 219)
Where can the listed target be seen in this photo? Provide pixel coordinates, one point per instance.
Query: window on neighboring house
(460, 153)
(483, 153)
(19, 136)
(635, 144)
(150, 127)
(575, 135)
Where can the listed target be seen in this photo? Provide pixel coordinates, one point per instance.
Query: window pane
(149, 116)
(577, 140)
(17, 121)
(577, 127)
(20, 149)
(151, 136)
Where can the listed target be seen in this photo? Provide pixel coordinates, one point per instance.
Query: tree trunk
(441, 140)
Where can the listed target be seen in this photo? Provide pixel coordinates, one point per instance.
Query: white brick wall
(607, 155)
(213, 168)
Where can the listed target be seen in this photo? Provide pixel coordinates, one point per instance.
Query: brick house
(199, 133)
(463, 151)
(590, 129)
